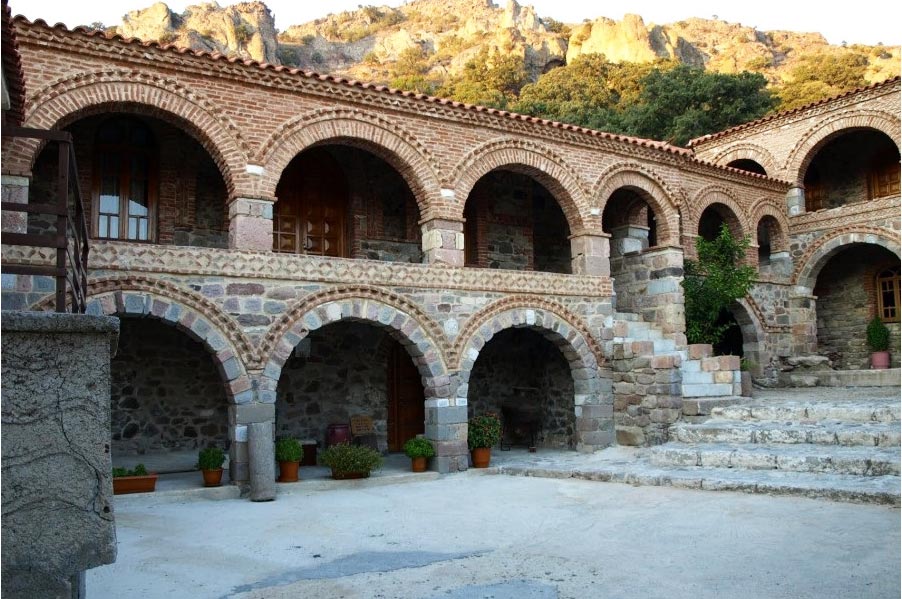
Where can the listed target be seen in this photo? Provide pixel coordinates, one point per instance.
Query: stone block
(723, 376)
(630, 435)
(710, 364)
(446, 415)
(698, 351)
(698, 378)
(729, 362)
(252, 412)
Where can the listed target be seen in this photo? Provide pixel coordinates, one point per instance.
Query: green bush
(344, 458)
(878, 335)
(138, 470)
(419, 447)
(210, 458)
(289, 450)
(483, 431)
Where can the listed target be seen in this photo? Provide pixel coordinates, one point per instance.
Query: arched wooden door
(406, 400)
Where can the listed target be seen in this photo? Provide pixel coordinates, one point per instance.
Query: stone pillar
(594, 409)
(15, 190)
(590, 254)
(240, 416)
(57, 472)
(446, 427)
(795, 200)
(250, 224)
(628, 238)
(803, 316)
(262, 465)
(443, 242)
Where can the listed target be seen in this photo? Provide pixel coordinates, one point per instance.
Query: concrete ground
(477, 535)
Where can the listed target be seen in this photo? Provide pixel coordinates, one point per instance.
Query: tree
(820, 76)
(684, 102)
(490, 79)
(713, 282)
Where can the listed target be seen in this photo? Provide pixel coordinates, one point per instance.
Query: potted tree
(482, 433)
(289, 453)
(136, 480)
(878, 341)
(351, 461)
(210, 460)
(419, 449)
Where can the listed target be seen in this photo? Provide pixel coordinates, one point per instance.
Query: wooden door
(406, 400)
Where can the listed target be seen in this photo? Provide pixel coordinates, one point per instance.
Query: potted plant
(878, 341)
(289, 453)
(351, 461)
(209, 461)
(136, 480)
(419, 449)
(482, 433)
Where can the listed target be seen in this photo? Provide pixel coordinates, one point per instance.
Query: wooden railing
(70, 239)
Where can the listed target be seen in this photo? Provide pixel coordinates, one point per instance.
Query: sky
(875, 21)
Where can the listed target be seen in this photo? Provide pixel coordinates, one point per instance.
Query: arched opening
(853, 286)
(713, 218)
(630, 220)
(525, 379)
(167, 397)
(731, 342)
(142, 179)
(345, 369)
(513, 222)
(749, 165)
(854, 166)
(769, 237)
(342, 201)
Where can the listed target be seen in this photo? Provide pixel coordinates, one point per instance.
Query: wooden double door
(406, 400)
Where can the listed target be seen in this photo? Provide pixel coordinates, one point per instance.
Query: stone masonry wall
(648, 283)
(165, 392)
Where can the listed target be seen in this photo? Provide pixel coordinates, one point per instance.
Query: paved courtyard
(476, 535)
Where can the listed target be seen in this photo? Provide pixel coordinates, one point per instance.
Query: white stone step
(852, 411)
(707, 390)
(823, 433)
(831, 459)
(703, 406)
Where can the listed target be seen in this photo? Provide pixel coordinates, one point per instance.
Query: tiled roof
(12, 68)
(780, 115)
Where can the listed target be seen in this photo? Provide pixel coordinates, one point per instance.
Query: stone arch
(829, 128)
(403, 320)
(751, 323)
(747, 151)
(656, 193)
(819, 253)
(526, 158)
(187, 311)
(398, 147)
(779, 242)
(709, 196)
(67, 100)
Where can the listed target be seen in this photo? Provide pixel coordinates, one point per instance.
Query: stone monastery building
(295, 248)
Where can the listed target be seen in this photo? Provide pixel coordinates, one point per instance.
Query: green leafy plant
(210, 458)
(289, 450)
(878, 335)
(138, 470)
(419, 447)
(713, 282)
(344, 458)
(483, 431)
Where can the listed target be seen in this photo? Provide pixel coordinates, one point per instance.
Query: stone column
(262, 466)
(803, 316)
(628, 238)
(250, 224)
(443, 242)
(590, 254)
(240, 417)
(795, 201)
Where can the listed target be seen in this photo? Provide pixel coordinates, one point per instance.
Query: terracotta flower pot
(288, 472)
(212, 478)
(134, 484)
(880, 360)
(481, 456)
(418, 464)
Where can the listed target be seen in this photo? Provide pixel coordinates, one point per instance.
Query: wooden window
(883, 181)
(815, 191)
(888, 295)
(125, 181)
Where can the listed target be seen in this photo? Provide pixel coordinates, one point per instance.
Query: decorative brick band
(859, 213)
(708, 196)
(816, 255)
(748, 151)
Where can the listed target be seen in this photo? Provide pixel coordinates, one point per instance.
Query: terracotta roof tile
(12, 68)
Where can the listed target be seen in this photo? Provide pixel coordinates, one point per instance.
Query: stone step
(703, 406)
(707, 389)
(857, 411)
(830, 459)
(824, 433)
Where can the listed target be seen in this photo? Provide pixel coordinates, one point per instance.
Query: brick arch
(387, 140)
(527, 158)
(187, 311)
(809, 266)
(707, 197)
(68, 100)
(780, 242)
(403, 320)
(655, 192)
(748, 151)
(811, 142)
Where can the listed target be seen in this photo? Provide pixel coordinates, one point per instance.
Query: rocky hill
(440, 36)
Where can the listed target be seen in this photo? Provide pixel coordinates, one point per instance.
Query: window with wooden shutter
(888, 295)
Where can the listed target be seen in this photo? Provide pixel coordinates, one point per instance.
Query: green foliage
(344, 458)
(419, 447)
(555, 26)
(483, 431)
(411, 62)
(714, 282)
(317, 58)
(243, 33)
(820, 76)
(760, 63)
(288, 56)
(878, 335)
(289, 450)
(490, 79)
(210, 458)
(138, 470)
